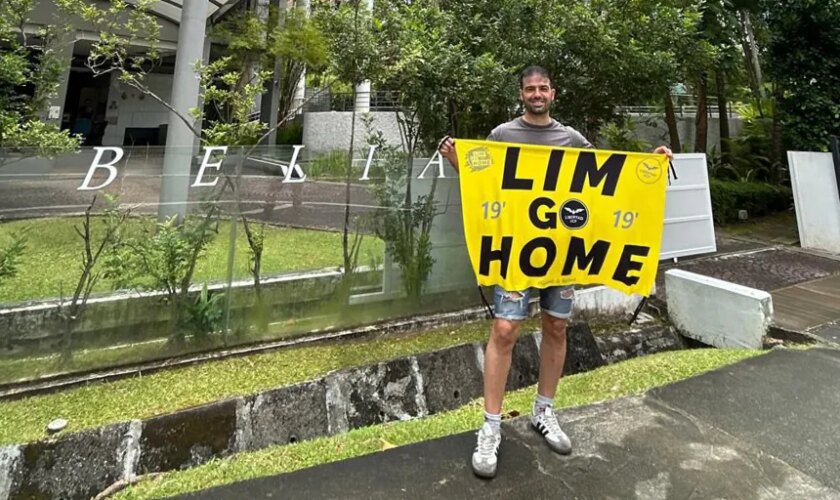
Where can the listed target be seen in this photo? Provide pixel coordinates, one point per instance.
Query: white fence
(817, 202)
(689, 225)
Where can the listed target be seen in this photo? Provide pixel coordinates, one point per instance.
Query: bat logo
(574, 214)
(649, 171)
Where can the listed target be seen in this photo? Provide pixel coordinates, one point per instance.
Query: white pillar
(363, 89)
(363, 97)
(300, 92)
(177, 159)
(54, 106)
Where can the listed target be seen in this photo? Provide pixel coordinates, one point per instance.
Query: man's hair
(533, 70)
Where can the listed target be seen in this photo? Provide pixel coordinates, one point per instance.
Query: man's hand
(664, 150)
(446, 147)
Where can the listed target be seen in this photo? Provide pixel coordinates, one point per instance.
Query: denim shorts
(555, 301)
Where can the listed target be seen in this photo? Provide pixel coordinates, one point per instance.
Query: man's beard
(542, 108)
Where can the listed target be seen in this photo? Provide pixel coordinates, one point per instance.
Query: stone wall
(325, 131)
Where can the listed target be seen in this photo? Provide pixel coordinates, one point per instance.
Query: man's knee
(554, 328)
(504, 333)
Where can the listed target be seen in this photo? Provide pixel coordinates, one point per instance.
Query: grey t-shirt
(554, 134)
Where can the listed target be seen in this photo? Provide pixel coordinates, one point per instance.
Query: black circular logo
(574, 214)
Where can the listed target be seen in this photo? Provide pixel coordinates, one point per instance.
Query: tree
(358, 47)
(29, 74)
(72, 311)
(802, 61)
(250, 41)
(11, 255)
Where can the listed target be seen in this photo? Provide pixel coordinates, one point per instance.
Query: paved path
(805, 286)
(764, 428)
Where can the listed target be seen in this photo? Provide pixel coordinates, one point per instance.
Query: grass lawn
(622, 379)
(777, 228)
(52, 260)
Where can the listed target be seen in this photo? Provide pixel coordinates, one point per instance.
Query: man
(535, 126)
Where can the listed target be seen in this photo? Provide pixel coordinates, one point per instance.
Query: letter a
(436, 159)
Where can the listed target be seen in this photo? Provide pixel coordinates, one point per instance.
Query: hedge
(757, 198)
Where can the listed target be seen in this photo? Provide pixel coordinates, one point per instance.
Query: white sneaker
(486, 453)
(546, 424)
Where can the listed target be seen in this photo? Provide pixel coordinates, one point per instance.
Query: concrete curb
(80, 465)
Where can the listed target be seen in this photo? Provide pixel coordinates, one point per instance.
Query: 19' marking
(625, 219)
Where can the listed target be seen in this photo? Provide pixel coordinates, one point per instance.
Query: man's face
(537, 94)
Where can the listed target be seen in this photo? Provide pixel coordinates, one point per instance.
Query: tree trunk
(751, 53)
(777, 151)
(344, 241)
(723, 115)
(671, 120)
(701, 121)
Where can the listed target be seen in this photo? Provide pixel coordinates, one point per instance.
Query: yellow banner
(537, 216)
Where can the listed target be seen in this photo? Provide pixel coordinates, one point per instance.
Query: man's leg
(552, 355)
(497, 359)
(556, 304)
(510, 309)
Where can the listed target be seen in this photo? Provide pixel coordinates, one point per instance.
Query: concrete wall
(326, 131)
(117, 319)
(658, 133)
(817, 200)
(716, 312)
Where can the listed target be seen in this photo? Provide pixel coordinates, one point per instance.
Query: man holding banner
(544, 211)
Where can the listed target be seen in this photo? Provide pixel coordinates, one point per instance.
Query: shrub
(757, 198)
(291, 134)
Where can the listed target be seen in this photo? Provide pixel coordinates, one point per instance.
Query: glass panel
(262, 254)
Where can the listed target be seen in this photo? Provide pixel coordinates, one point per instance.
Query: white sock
(495, 420)
(541, 403)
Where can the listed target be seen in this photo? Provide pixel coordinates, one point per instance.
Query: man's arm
(447, 150)
(664, 150)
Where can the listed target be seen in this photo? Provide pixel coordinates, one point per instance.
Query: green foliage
(802, 57)
(44, 273)
(621, 136)
(290, 134)
(757, 198)
(206, 313)
(119, 24)
(231, 92)
(356, 43)
(165, 259)
(331, 166)
(29, 73)
(72, 310)
(750, 156)
(455, 62)
(404, 223)
(11, 255)
(162, 258)
(232, 84)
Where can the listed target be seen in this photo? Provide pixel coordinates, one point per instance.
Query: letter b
(112, 171)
